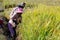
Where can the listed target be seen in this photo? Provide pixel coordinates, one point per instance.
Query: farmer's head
(22, 5)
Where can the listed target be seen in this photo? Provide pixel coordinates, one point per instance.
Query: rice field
(39, 22)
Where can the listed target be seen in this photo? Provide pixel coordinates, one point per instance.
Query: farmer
(14, 16)
(3, 23)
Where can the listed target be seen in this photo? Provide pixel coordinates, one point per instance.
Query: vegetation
(40, 22)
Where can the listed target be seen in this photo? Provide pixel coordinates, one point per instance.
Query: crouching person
(14, 16)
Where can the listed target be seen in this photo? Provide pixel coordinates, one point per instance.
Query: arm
(19, 20)
(12, 14)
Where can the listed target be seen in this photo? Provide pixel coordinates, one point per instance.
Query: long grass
(40, 22)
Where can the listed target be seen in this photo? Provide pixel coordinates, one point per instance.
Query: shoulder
(15, 8)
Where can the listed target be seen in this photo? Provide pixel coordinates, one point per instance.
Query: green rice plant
(41, 23)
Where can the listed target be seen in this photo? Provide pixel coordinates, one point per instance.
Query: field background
(40, 20)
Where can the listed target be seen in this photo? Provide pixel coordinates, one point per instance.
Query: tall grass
(41, 23)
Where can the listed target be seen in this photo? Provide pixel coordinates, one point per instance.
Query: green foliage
(39, 22)
(1, 0)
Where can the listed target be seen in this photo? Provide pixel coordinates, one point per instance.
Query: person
(14, 16)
